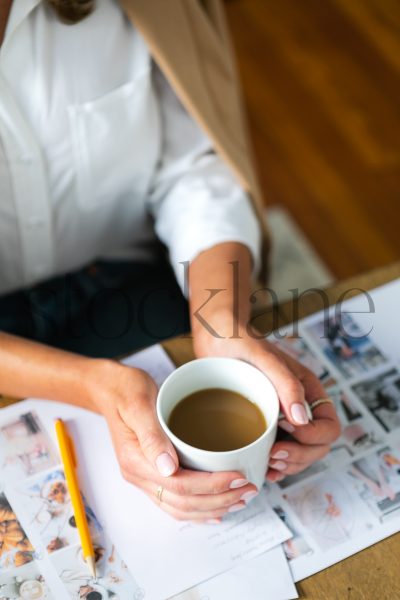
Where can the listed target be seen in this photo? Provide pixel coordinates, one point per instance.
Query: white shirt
(97, 155)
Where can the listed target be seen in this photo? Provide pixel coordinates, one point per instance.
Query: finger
(140, 416)
(287, 452)
(274, 476)
(184, 482)
(190, 483)
(314, 391)
(215, 521)
(200, 503)
(291, 469)
(325, 427)
(288, 386)
(206, 503)
(196, 516)
(313, 388)
(326, 411)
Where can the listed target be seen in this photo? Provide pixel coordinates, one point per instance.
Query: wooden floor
(322, 86)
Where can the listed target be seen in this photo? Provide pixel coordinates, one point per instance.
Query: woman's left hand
(310, 440)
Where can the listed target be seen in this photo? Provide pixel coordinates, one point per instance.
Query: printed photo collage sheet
(350, 499)
(39, 543)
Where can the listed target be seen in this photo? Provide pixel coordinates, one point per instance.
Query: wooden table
(374, 573)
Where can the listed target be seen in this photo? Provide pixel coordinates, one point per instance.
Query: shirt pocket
(114, 143)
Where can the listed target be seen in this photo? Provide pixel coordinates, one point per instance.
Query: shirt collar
(20, 9)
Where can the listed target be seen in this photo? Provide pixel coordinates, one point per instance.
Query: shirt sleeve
(195, 199)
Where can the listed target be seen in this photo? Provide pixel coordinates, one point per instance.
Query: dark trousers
(108, 309)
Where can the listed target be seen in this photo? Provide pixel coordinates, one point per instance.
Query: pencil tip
(91, 563)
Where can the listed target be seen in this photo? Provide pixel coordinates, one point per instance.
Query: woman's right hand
(127, 398)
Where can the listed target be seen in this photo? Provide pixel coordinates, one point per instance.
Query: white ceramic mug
(231, 374)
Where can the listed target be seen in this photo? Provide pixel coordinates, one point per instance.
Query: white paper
(154, 360)
(265, 577)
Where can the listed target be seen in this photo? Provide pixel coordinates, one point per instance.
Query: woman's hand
(126, 397)
(295, 385)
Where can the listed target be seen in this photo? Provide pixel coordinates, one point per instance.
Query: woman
(100, 159)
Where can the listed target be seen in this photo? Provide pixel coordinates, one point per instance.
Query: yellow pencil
(68, 457)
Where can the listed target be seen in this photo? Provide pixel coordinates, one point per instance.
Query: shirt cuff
(203, 211)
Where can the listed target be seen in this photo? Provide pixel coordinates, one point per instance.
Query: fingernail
(238, 483)
(236, 507)
(279, 465)
(214, 521)
(279, 477)
(286, 426)
(299, 414)
(280, 454)
(165, 464)
(247, 496)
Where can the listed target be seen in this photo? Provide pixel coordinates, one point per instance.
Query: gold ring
(159, 493)
(316, 403)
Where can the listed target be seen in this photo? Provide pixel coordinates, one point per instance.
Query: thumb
(289, 388)
(153, 442)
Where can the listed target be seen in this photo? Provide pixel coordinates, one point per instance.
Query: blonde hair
(72, 11)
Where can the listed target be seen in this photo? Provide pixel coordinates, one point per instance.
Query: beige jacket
(190, 42)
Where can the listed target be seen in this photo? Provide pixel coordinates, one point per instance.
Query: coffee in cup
(217, 419)
(222, 376)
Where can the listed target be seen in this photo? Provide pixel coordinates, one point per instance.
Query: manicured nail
(280, 454)
(237, 483)
(308, 411)
(247, 496)
(236, 507)
(278, 465)
(286, 426)
(165, 464)
(299, 414)
(214, 521)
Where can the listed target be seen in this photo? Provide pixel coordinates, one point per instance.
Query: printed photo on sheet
(349, 348)
(113, 578)
(25, 447)
(15, 548)
(381, 395)
(359, 430)
(329, 510)
(318, 467)
(24, 583)
(376, 479)
(48, 504)
(298, 349)
(297, 545)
